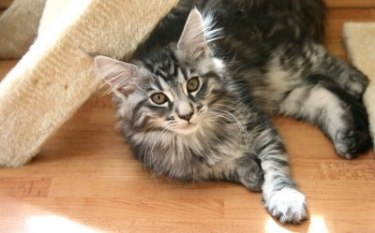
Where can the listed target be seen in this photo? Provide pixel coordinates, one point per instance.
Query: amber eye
(159, 98)
(193, 84)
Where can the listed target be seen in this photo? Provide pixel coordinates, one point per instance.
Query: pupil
(193, 84)
(159, 98)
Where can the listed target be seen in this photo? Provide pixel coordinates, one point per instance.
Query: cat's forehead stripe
(177, 74)
(156, 85)
(182, 75)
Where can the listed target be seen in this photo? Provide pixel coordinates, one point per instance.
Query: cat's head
(172, 88)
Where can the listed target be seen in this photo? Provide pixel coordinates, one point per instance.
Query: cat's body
(195, 109)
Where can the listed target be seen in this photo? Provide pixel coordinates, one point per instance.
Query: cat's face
(181, 108)
(173, 89)
(177, 98)
(170, 96)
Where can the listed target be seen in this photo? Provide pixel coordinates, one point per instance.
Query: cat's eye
(159, 98)
(193, 84)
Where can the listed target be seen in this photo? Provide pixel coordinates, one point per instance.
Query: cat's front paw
(288, 205)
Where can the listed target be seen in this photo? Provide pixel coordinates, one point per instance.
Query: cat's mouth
(187, 128)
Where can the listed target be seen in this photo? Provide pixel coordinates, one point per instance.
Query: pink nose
(186, 117)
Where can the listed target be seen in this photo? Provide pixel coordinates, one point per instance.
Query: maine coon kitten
(196, 99)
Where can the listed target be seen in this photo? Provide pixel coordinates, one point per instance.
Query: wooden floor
(86, 180)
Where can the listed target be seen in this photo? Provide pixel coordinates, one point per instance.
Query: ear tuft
(119, 75)
(193, 42)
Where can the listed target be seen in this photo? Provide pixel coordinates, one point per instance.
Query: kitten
(195, 101)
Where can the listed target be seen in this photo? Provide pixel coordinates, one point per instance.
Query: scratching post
(18, 27)
(55, 77)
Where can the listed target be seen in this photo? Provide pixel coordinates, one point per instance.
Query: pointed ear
(193, 42)
(119, 75)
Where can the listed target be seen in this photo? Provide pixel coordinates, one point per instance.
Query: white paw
(287, 204)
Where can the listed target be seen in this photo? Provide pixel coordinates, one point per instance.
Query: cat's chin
(186, 130)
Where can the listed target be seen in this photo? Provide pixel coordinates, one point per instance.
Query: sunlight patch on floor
(316, 224)
(55, 224)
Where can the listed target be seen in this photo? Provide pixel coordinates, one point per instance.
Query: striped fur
(196, 100)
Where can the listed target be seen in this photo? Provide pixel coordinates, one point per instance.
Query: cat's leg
(280, 195)
(338, 114)
(352, 80)
(248, 172)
